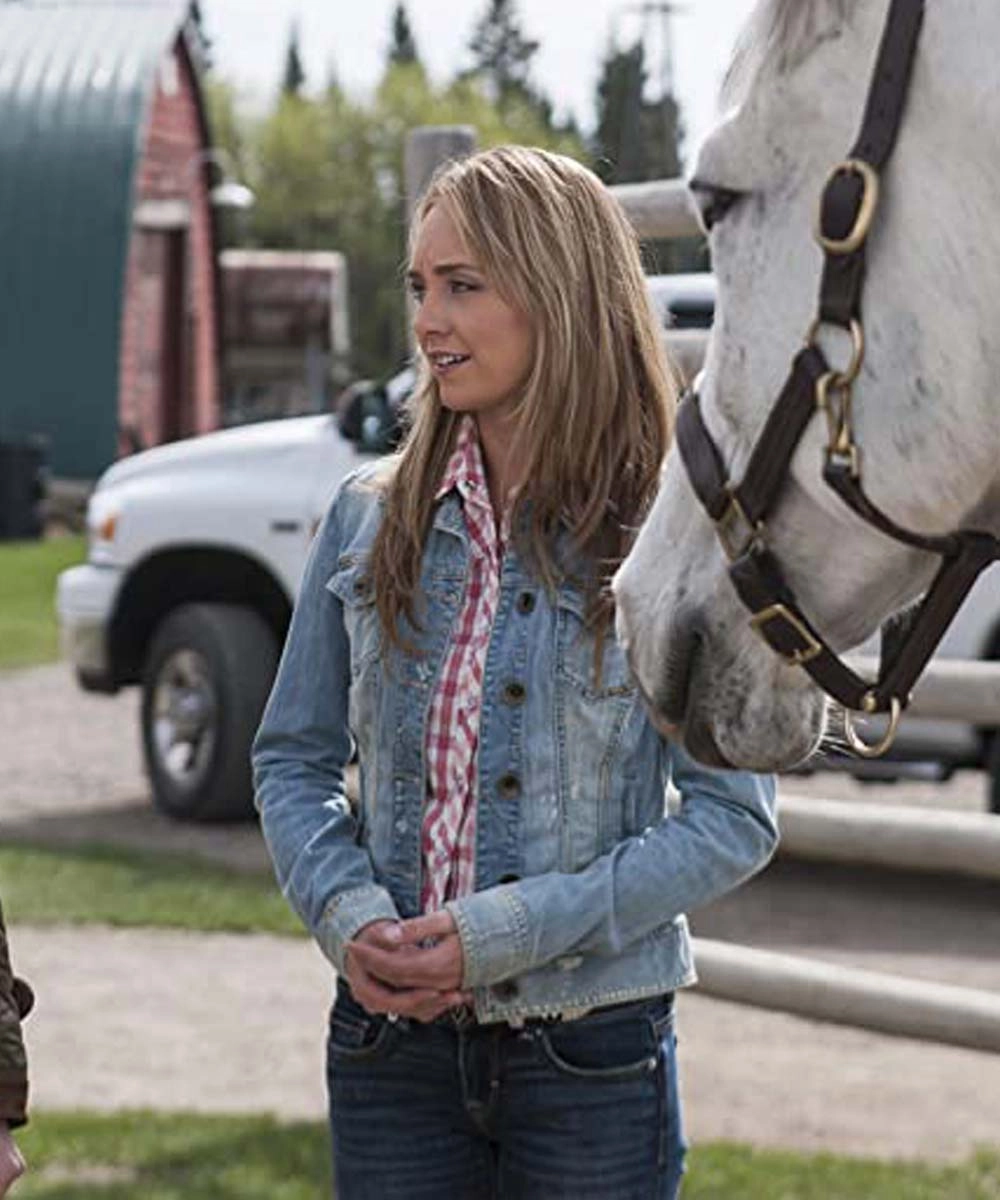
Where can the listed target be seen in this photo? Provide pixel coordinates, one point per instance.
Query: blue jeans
(587, 1109)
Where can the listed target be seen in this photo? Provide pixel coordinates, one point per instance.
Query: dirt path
(220, 1023)
(232, 1024)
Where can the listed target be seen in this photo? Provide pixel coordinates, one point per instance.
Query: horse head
(924, 402)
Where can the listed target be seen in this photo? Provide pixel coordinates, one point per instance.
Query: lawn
(127, 888)
(28, 570)
(152, 1156)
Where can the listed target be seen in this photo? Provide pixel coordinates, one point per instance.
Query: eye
(713, 202)
(416, 290)
(459, 286)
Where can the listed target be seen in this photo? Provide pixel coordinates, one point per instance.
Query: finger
(418, 929)
(380, 933)
(371, 993)
(419, 1004)
(438, 968)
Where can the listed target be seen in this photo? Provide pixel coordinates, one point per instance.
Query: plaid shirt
(448, 842)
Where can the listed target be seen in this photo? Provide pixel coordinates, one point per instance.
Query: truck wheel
(206, 679)
(993, 773)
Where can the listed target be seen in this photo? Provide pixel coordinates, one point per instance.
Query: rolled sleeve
(347, 914)
(493, 929)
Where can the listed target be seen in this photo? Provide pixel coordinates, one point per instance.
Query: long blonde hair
(595, 418)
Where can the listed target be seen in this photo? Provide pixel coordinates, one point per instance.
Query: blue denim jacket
(582, 879)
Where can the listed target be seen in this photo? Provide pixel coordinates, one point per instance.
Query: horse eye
(712, 202)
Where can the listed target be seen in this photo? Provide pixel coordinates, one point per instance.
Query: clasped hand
(410, 968)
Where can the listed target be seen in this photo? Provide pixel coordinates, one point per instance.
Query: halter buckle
(736, 531)
(811, 646)
(858, 744)
(866, 209)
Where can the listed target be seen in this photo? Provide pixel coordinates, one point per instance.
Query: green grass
(152, 1156)
(732, 1172)
(28, 570)
(149, 1156)
(127, 888)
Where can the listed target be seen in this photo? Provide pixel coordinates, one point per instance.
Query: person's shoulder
(357, 504)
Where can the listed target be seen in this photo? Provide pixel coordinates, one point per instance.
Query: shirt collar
(465, 472)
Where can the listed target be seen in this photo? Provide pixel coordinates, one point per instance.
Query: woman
(15, 1003)
(505, 904)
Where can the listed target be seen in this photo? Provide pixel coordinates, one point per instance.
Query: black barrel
(23, 471)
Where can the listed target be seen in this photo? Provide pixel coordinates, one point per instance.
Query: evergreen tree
(636, 139)
(403, 49)
(618, 147)
(294, 77)
(502, 55)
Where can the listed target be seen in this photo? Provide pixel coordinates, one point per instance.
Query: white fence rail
(662, 209)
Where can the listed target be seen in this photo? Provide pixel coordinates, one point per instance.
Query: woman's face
(479, 347)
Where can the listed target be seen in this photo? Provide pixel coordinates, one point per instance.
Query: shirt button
(514, 692)
(526, 603)
(507, 989)
(508, 786)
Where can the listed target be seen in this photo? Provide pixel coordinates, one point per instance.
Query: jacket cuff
(348, 913)
(493, 929)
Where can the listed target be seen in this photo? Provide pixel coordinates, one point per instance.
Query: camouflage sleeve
(15, 1003)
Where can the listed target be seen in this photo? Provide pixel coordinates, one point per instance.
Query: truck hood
(257, 443)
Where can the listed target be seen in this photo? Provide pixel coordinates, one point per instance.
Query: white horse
(926, 405)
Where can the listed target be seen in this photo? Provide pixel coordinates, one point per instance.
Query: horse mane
(779, 34)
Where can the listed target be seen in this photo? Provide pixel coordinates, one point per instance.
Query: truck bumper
(85, 601)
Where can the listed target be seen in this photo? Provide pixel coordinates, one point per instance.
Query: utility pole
(665, 10)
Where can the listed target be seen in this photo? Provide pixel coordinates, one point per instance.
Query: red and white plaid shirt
(448, 841)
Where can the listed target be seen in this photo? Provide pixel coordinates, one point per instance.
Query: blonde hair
(594, 421)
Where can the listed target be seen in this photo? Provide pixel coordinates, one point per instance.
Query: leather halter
(847, 212)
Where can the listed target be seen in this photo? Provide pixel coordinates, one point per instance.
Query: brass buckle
(839, 379)
(779, 612)
(735, 529)
(866, 210)
(854, 739)
(847, 455)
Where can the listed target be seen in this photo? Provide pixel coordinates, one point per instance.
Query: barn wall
(172, 192)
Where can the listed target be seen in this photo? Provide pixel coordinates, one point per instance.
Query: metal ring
(859, 746)
(866, 211)
(846, 377)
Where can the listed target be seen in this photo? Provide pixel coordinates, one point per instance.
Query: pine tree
(636, 139)
(618, 148)
(295, 75)
(502, 54)
(403, 49)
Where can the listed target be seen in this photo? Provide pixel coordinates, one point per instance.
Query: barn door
(177, 392)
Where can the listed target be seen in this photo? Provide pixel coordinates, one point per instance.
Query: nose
(430, 318)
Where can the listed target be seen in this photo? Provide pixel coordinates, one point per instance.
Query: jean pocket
(357, 1036)
(627, 1050)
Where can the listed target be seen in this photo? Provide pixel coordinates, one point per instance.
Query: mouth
(446, 363)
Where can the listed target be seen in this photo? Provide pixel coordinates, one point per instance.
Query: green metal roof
(76, 85)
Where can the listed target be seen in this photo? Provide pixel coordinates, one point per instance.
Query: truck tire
(207, 676)
(993, 773)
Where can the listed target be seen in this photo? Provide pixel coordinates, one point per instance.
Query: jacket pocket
(605, 678)
(351, 584)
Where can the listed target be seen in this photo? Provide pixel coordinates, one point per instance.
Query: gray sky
(250, 37)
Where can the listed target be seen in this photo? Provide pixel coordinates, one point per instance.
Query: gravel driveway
(223, 1023)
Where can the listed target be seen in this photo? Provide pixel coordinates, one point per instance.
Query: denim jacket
(582, 879)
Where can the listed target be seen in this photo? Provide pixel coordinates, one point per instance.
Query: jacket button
(509, 786)
(514, 692)
(505, 990)
(526, 602)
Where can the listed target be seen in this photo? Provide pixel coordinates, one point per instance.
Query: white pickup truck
(196, 552)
